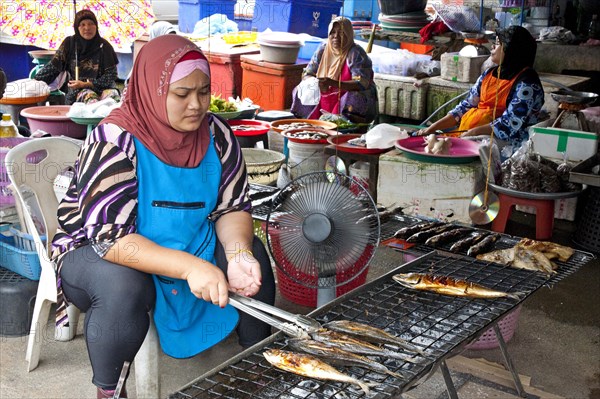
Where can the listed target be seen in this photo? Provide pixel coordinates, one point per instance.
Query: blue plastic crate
(23, 262)
(361, 10)
(192, 11)
(295, 16)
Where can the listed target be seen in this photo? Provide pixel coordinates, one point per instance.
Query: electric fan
(322, 230)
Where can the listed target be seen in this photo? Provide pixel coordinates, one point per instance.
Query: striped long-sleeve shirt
(100, 205)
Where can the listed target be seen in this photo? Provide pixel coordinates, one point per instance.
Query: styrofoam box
(460, 68)
(552, 142)
(441, 191)
(401, 96)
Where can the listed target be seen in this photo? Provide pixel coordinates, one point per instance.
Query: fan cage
(342, 258)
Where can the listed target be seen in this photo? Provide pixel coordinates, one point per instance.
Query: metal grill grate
(438, 324)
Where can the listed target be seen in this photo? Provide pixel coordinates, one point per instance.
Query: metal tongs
(298, 326)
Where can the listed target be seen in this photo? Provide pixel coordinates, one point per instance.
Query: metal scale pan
(570, 103)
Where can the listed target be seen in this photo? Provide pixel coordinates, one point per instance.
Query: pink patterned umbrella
(45, 23)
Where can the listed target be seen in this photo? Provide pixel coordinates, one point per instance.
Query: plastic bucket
(306, 158)
(359, 172)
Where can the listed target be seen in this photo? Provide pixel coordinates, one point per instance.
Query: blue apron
(173, 208)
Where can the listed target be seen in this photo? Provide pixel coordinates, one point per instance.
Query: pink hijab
(144, 109)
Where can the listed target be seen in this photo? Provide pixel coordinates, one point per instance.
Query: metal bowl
(574, 97)
(475, 34)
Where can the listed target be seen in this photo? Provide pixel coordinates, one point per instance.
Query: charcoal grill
(440, 325)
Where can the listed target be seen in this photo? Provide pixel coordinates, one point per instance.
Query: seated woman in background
(506, 99)
(345, 75)
(89, 60)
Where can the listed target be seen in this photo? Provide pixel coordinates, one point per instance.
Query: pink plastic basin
(53, 119)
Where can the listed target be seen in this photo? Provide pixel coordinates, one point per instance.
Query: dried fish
(370, 334)
(520, 258)
(309, 366)
(447, 236)
(450, 286)
(483, 245)
(354, 345)
(423, 235)
(406, 232)
(339, 357)
(463, 244)
(549, 249)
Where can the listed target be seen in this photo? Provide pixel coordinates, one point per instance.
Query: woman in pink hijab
(157, 219)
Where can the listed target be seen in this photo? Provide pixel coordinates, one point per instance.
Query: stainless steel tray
(534, 196)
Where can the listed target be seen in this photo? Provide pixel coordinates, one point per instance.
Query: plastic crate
(507, 326)
(306, 296)
(295, 16)
(23, 262)
(192, 11)
(6, 195)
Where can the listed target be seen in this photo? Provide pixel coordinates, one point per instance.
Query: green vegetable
(217, 104)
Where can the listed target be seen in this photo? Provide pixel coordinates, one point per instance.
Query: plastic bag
(384, 136)
(563, 170)
(308, 91)
(26, 88)
(496, 171)
(524, 173)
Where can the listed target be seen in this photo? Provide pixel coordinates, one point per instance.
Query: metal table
(440, 325)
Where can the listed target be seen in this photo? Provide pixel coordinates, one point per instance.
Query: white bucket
(359, 172)
(306, 158)
(275, 140)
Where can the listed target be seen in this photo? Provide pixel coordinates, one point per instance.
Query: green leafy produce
(217, 104)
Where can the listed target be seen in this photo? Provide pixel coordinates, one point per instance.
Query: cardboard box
(552, 142)
(460, 68)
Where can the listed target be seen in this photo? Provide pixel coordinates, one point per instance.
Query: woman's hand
(79, 84)
(208, 282)
(243, 273)
(325, 84)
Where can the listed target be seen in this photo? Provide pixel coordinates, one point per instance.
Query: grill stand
(509, 363)
(448, 380)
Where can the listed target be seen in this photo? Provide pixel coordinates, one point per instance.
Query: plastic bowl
(53, 119)
(309, 48)
(279, 53)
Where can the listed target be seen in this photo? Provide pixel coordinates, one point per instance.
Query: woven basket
(507, 326)
(262, 165)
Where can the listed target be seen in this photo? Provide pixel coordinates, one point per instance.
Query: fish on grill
(339, 357)
(309, 366)
(354, 345)
(484, 245)
(450, 286)
(465, 243)
(520, 258)
(370, 334)
(447, 236)
(408, 231)
(549, 249)
(423, 235)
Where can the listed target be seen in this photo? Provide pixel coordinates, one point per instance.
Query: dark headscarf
(519, 50)
(94, 49)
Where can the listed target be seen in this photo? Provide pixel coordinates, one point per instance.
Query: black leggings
(116, 301)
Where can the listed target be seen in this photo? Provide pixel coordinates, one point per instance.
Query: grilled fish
(549, 249)
(423, 235)
(483, 245)
(520, 258)
(370, 334)
(462, 244)
(309, 366)
(339, 356)
(351, 344)
(450, 286)
(408, 231)
(447, 236)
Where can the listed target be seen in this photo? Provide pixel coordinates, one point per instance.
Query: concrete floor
(556, 344)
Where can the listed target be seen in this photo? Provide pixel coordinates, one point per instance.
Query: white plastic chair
(39, 178)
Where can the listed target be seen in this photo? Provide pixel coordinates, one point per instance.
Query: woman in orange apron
(506, 99)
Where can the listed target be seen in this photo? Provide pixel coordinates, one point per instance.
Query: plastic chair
(544, 218)
(40, 177)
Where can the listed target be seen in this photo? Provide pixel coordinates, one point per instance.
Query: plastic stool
(544, 216)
